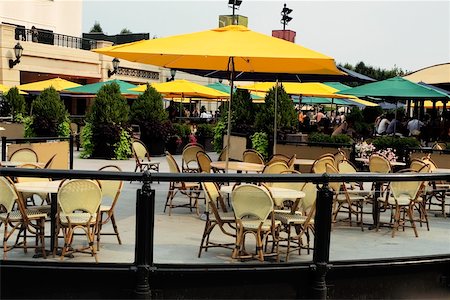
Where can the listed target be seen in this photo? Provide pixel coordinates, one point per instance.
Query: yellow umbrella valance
(58, 84)
(4, 89)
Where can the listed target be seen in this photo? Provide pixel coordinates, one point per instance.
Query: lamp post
(115, 63)
(235, 5)
(285, 19)
(172, 75)
(18, 50)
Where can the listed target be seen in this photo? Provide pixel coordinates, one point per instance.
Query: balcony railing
(51, 38)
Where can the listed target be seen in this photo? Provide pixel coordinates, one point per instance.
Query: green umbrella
(396, 87)
(93, 88)
(337, 85)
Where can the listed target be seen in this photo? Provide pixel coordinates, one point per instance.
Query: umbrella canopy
(227, 89)
(4, 89)
(58, 84)
(183, 88)
(218, 48)
(93, 88)
(396, 87)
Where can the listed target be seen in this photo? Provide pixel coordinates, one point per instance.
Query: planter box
(45, 151)
(12, 130)
(238, 144)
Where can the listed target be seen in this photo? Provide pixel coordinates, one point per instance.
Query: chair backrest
(345, 166)
(338, 157)
(251, 200)
(8, 195)
(173, 166)
(193, 144)
(335, 186)
(291, 161)
(439, 146)
(277, 158)
(111, 188)
(253, 156)
(275, 168)
(405, 188)
(189, 155)
(319, 166)
(379, 164)
(287, 185)
(49, 163)
(204, 161)
(417, 164)
(24, 155)
(140, 151)
(212, 194)
(427, 159)
(79, 195)
(309, 201)
(223, 154)
(30, 179)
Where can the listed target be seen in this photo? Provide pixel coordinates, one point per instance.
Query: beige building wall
(60, 16)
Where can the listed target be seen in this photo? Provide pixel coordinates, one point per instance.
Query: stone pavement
(177, 237)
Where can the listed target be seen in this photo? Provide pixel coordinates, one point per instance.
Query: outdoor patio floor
(177, 238)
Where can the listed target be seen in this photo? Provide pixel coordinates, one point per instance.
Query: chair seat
(149, 163)
(15, 215)
(254, 224)
(105, 208)
(292, 218)
(359, 192)
(286, 211)
(77, 218)
(227, 217)
(190, 185)
(402, 200)
(353, 198)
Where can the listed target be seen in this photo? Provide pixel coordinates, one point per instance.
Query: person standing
(34, 34)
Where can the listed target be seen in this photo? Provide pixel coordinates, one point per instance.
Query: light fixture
(18, 49)
(115, 63)
(172, 75)
(285, 19)
(235, 5)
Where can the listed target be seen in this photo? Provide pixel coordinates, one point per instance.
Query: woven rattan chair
(252, 156)
(278, 157)
(302, 221)
(49, 163)
(253, 209)
(142, 158)
(110, 195)
(319, 165)
(78, 208)
(24, 155)
(224, 220)
(190, 189)
(189, 158)
(14, 216)
(29, 197)
(204, 162)
(436, 191)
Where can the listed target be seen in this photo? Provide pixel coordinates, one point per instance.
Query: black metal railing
(145, 211)
(6, 140)
(51, 38)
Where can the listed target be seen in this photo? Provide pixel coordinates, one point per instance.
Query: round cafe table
(238, 166)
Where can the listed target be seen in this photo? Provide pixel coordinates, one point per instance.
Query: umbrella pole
(231, 68)
(275, 119)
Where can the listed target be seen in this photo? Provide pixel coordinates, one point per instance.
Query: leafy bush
(260, 142)
(108, 117)
(242, 112)
(122, 149)
(205, 130)
(48, 115)
(400, 145)
(219, 131)
(317, 137)
(86, 138)
(181, 129)
(15, 103)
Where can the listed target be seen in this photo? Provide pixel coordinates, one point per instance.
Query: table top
(304, 161)
(441, 170)
(278, 194)
(393, 163)
(38, 186)
(18, 163)
(238, 166)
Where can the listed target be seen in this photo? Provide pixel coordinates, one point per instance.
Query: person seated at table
(384, 123)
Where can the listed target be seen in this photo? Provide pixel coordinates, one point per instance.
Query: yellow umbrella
(57, 83)
(429, 104)
(4, 89)
(231, 48)
(184, 89)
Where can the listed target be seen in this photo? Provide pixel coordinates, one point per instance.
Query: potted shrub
(14, 105)
(205, 134)
(107, 134)
(180, 136)
(148, 112)
(49, 117)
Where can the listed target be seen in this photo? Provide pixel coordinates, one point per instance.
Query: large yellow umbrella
(231, 48)
(4, 89)
(58, 84)
(184, 89)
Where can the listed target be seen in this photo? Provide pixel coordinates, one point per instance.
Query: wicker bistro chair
(24, 155)
(302, 221)
(436, 191)
(78, 208)
(203, 161)
(14, 215)
(253, 156)
(344, 201)
(142, 157)
(253, 209)
(110, 195)
(189, 158)
(224, 220)
(190, 189)
(319, 166)
(49, 163)
(29, 198)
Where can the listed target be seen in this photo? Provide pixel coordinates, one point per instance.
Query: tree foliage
(49, 116)
(96, 27)
(16, 103)
(125, 31)
(375, 73)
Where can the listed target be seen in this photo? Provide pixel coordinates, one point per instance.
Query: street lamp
(172, 75)
(18, 49)
(285, 19)
(115, 63)
(235, 5)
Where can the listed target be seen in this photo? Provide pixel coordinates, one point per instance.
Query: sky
(410, 35)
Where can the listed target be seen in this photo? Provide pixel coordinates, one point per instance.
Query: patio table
(238, 166)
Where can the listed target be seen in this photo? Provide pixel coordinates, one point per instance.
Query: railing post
(3, 148)
(71, 152)
(145, 212)
(321, 256)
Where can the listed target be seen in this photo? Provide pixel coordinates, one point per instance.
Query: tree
(375, 73)
(15, 103)
(125, 31)
(96, 27)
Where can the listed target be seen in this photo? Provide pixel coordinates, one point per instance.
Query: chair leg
(411, 220)
(116, 230)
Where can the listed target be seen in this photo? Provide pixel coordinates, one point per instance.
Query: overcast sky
(408, 34)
